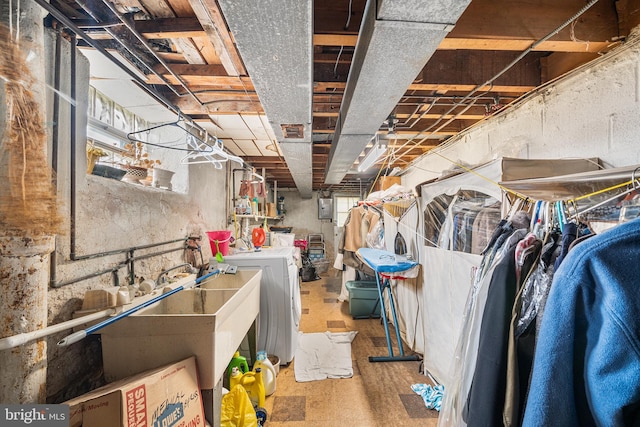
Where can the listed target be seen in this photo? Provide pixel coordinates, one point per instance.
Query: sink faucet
(164, 272)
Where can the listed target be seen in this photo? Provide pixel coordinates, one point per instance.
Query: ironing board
(388, 265)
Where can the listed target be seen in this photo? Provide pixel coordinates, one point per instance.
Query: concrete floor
(378, 394)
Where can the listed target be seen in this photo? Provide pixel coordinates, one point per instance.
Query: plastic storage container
(363, 299)
(321, 265)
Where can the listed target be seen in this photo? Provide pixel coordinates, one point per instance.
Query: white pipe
(16, 340)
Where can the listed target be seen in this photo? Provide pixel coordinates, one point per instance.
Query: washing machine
(280, 305)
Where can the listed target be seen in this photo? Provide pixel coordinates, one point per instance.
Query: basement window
(343, 205)
(107, 129)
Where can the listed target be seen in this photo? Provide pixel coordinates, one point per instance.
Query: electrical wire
(346, 26)
(499, 74)
(335, 67)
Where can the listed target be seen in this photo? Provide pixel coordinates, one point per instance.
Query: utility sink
(209, 322)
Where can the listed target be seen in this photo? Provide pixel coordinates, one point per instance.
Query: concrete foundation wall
(113, 215)
(302, 215)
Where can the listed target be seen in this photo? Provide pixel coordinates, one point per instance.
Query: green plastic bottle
(239, 362)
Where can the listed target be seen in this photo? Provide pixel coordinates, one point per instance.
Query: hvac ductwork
(396, 39)
(275, 40)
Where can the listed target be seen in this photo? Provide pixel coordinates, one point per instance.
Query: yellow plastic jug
(252, 383)
(268, 372)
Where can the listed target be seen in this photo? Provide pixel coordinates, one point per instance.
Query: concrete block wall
(592, 112)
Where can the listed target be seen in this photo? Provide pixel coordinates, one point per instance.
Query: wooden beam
(209, 81)
(441, 88)
(212, 21)
(335, 39)
(451, 43)
(190, 107)
(194, 69)
(169, 28)
(415, 116)
(327, 58)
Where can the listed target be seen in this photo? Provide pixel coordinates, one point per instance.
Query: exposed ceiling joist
(194, 38)
(214, 26)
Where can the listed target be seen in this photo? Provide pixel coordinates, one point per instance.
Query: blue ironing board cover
(384, 261)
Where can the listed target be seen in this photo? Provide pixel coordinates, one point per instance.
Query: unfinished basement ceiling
(300, 87)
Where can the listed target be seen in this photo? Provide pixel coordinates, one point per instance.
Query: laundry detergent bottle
(239, 362)
(252, 383)
(268, 372)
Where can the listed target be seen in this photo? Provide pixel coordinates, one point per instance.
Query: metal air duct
(396, 39)
(275, 41)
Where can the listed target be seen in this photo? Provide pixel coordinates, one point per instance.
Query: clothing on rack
(360, 221)
(461, 222)
(505, 238)
(527, 310)
(489, 383)
(513, 365)
(587, 362)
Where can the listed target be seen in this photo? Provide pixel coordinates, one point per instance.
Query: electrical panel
(325, 208)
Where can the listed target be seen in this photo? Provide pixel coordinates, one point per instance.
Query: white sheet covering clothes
(323, 355)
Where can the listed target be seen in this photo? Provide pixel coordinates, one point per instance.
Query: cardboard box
(271, 210)
(162, 397)
(385, 182)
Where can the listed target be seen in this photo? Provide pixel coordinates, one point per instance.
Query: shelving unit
(244, 221)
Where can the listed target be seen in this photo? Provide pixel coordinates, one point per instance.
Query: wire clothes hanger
(634, 185)
(209, 149)
(216, 156)
(197, 143)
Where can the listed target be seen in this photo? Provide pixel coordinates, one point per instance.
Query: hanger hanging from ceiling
(216, 156)
(193, 141)
(259, 177)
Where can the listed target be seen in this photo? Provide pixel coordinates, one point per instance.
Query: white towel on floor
(323, 355)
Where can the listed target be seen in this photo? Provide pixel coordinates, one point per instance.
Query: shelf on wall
(256, 218)
(260, 217)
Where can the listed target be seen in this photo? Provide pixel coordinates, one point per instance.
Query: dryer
(280, 305)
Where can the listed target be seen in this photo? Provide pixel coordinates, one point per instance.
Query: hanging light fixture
(372, 156)
(391, 127)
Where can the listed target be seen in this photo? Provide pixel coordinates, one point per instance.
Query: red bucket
(222, 237)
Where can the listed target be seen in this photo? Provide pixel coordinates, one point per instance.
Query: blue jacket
(586, 369)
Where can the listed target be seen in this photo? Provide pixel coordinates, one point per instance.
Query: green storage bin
(363, 299)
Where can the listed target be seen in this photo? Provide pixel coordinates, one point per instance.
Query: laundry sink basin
(209, 322)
